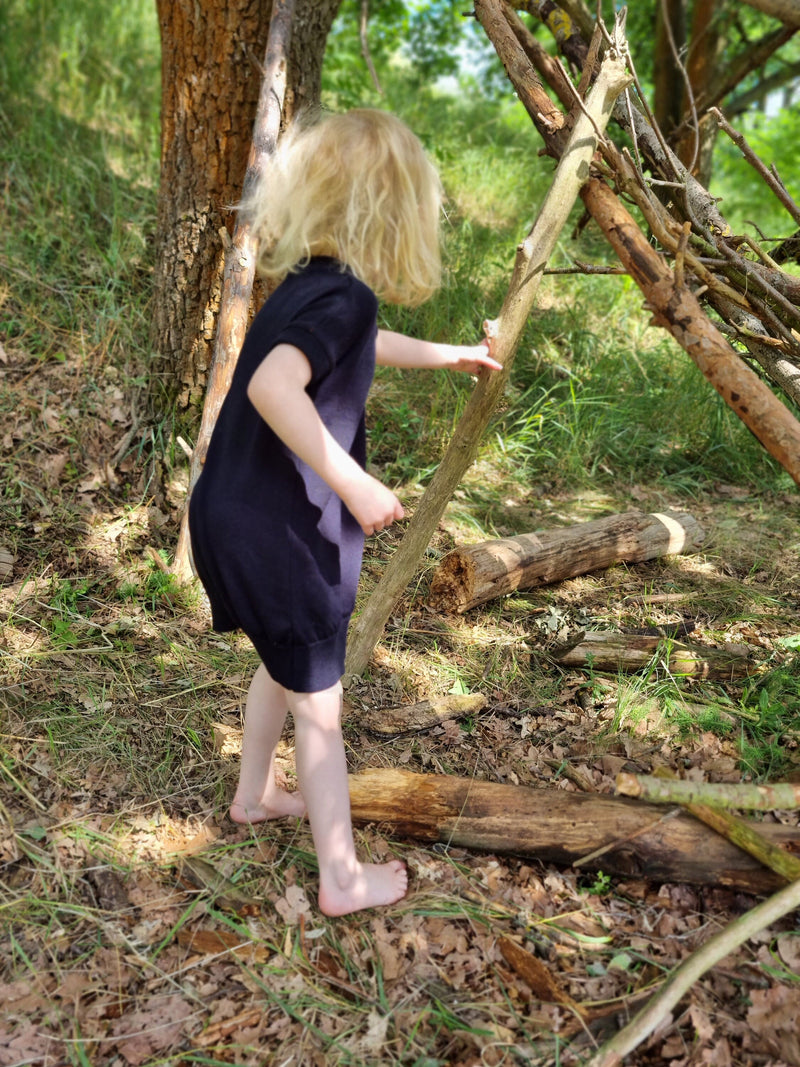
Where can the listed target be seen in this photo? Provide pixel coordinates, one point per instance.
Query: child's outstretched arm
(397, 350)
(277, 390)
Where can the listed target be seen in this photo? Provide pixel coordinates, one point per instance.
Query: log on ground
(640, 840)
(389, 722)
(473, 574)
(605, 650)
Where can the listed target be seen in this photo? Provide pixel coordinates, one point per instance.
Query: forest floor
(141, 926)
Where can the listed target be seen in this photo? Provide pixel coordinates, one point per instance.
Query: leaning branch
(240, 257)
(532, 256)
(777, 187)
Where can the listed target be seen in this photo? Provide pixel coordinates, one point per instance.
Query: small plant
(601, 886)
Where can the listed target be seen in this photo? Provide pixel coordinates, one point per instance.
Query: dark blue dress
(275, 548)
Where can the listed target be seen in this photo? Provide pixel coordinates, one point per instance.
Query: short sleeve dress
(277, 551)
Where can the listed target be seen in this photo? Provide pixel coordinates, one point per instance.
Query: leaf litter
(141, 926)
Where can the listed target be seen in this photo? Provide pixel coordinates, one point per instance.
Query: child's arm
(397, 350)
(277, 390)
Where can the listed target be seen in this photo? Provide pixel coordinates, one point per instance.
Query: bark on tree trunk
(211, 76)
(629, 838)
(473, 574)
(670, 40)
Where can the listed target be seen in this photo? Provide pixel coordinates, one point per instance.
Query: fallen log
(389, 722)
(605, 650)
(634, 839)
(473, 574)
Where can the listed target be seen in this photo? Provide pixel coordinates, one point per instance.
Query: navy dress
(275, 548)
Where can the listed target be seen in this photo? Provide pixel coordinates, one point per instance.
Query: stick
(748, 838)
(779, 796)
(240, 258)
(689, 972)
(532, 256)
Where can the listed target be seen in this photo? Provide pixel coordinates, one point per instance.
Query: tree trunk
(473, 574)
(211, 77)
(670, 40)
(240, 258)
(695, 147)
(629, 838)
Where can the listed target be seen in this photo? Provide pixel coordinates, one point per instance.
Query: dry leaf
(293, 904)
(537, 975)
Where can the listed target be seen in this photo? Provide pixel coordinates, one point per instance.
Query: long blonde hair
(356, 186)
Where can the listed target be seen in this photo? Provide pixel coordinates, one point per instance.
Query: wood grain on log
(473, 574)
(640, 840)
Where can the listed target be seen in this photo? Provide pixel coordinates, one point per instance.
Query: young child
(347, 211)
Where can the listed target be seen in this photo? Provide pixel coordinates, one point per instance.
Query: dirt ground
(141, 926)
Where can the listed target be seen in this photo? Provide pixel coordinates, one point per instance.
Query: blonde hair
(356, 186)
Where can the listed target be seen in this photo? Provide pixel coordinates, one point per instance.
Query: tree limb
(779, 796)
(787, 11)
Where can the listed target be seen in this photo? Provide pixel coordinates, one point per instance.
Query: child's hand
(474, 359)
(371, 504)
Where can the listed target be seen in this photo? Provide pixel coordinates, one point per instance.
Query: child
(348, 208)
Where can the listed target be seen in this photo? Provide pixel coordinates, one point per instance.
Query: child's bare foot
(372, 885)
(275, 805)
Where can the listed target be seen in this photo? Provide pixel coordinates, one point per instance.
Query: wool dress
(277, 551)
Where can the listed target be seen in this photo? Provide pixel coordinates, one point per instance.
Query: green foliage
(423, 41)
(601, 886)
(773, 704)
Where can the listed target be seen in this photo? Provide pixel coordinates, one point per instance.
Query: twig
(365, 52)
(680, 254)
(586, 268)
(772, 181)
(689, 972)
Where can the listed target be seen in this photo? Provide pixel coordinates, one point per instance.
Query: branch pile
(698, 268)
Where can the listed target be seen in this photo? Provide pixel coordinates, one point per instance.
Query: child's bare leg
(257, 796)
(345, 884)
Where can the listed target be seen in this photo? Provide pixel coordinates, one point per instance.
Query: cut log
(637, 840)
(389, 722)
(473, 574)
(605, 650)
